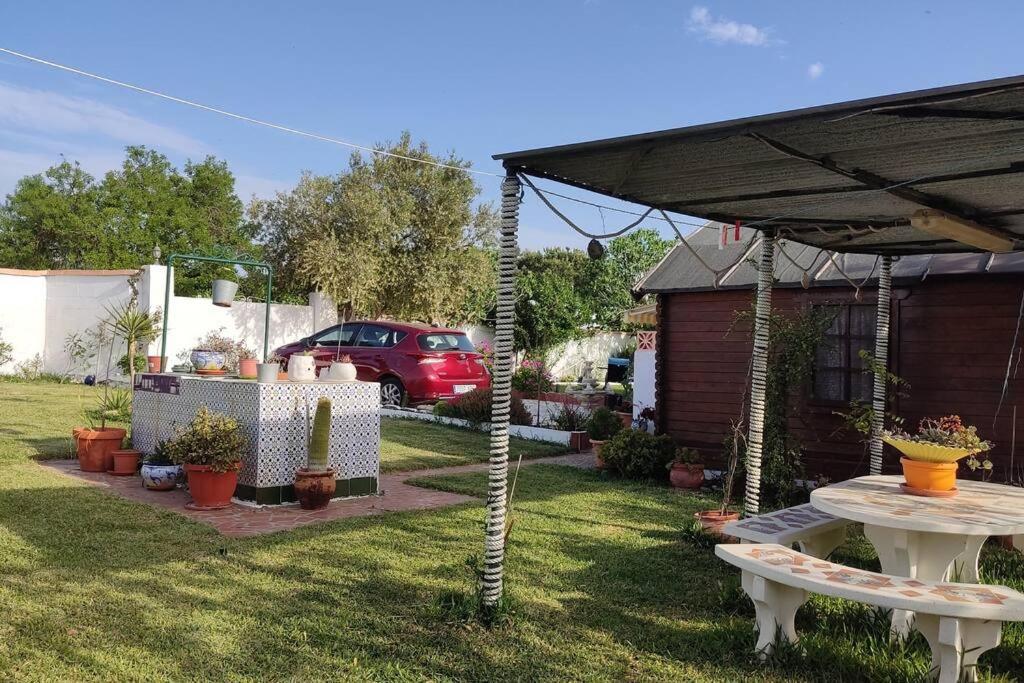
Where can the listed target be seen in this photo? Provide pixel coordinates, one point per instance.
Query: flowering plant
(486, 352)
(948, 433)
(532, 378)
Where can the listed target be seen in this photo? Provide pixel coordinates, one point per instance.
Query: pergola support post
(882, 361)
(501, 401)
(759, 372)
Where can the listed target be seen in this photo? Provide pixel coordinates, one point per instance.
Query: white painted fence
(40, 309)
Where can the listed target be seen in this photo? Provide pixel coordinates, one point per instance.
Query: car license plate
(464, 388)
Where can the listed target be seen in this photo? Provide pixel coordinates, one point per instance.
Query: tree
(64, 218)
(387, 236)
(552, 305)
(612, 278)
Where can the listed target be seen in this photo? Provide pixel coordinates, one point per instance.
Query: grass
(38, 418)
(603, 585)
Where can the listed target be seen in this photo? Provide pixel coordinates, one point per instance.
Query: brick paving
(240, 521)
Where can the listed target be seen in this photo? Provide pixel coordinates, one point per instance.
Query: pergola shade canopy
(846, 177)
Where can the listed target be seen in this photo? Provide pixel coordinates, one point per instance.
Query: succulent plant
(319, 436)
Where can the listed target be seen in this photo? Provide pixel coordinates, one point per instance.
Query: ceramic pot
(224, 292)
(96, 448)
(247, 368)
(314, 488)
(160, 477)
(598, 460)
(126, 462)
(713, 520)
(342, 372)
(929, 476)
(205, 359)
(301, 368)
(267, 372)
(210, 490)
(687, 476)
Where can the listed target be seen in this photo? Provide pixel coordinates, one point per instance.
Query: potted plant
(571, 418)
(302, 367)
(136, 328)
(96, 445)
(225, 286)
(603, 425)
(246, 363)
(314, 483)
(267, 372)
(159, 471)
(210, 449)
(686, 471)
(930, 457)
(713, 520)
(207, 360)
(342, 369)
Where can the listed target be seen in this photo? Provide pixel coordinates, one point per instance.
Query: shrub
(6, 350)
(531, 378)
(211, 439)
(571, 418)
(475, 406)
(603, 424)
(30, 369)
(141, 364)
(639, 455)
(114, 405)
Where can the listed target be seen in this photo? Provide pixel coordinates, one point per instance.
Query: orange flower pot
(247, 368)
(210, 490)
(598, 460)
(929, 476)
(126, 462)
(96, 448)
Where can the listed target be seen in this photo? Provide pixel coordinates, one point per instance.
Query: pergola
(925, 172)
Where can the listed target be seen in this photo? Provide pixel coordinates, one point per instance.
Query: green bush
(211, 439)
(475, 406)
(603, 424)
(639, 455)
(141, 364)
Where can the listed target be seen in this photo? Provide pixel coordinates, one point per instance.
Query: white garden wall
(566, 360)
(39, 309)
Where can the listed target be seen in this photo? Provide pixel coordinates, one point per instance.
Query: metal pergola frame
(169, 285)
(934, 211)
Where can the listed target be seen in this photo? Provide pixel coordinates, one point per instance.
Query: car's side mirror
(306, 341)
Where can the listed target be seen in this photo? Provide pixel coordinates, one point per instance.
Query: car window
(377, 337)
(337, 335)
(448, 341)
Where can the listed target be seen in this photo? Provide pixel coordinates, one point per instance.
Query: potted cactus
(314, 483)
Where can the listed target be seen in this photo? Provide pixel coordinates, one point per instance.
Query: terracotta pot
(713, 520)
(598, 460)
(314, 488)
(75, 431)
(247, 367)
(96, 448)
(210, 490)
(686, 476)
(625, 418)
(154, 363)
(929, 476)
(282, 376)
(126, 461)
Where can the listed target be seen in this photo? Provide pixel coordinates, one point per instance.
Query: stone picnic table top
(979, 509)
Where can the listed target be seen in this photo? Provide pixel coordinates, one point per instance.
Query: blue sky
(474, 77)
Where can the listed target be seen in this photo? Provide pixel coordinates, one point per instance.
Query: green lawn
(37, 420)
(606, 588)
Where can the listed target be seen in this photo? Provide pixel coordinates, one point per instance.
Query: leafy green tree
(552, 304)
(64, 218)
(387, 236)
(612, 278)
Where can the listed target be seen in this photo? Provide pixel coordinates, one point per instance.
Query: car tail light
(429, 360)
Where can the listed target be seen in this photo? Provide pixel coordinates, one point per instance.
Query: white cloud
(722, 30)
(52, 113)
(814, 71)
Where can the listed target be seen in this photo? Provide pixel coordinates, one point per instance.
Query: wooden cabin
(956, 339)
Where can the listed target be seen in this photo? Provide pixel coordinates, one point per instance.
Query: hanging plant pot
(224, 292)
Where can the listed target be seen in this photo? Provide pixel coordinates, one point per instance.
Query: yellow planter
(926, 452)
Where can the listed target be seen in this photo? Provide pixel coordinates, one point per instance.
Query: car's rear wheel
(392, 392)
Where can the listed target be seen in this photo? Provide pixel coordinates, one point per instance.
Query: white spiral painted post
(501, 402)
(882, 358)
(759, 372)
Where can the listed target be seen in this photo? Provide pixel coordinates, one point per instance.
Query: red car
(414, 363)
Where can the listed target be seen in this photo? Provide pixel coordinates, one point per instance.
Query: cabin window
(839, 371)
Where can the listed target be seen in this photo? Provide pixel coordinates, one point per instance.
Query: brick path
(243, 520)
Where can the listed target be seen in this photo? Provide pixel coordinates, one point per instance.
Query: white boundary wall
(39, 309)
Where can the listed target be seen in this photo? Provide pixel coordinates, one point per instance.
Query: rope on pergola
(881, 356)
(759, 374)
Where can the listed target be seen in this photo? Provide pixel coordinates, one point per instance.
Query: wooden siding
(951, 339)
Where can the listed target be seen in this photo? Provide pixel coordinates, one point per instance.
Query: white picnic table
(926, 538)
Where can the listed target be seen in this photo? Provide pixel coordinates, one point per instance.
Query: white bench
(960, 621)
(817, 532)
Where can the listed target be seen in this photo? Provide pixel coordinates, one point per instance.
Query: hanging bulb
(595, 250)
(805, 281)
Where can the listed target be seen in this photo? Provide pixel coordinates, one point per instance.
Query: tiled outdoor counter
(273, 418)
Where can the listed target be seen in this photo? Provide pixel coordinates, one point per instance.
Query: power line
(242, 117)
